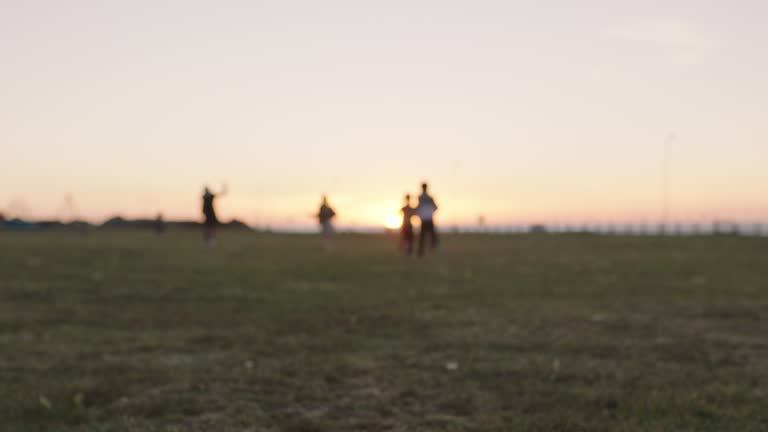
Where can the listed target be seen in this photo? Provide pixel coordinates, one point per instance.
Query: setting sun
(393, 221)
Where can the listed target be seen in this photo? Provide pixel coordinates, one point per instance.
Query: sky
(550, 111)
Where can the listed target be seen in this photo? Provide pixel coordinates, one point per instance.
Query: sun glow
(393, 221)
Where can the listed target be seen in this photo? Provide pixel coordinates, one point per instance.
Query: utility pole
(670, 138)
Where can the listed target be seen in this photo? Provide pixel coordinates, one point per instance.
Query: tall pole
(665, 183)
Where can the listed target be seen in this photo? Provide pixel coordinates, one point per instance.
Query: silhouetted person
(406, 229)
(159, 224)
(325, 217)
(426, 211)
(211, 221)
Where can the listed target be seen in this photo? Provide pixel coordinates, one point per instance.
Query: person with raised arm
(209, 213)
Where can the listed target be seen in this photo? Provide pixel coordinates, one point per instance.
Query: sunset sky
(547, 111)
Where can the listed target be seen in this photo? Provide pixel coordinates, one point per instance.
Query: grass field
(131, 332)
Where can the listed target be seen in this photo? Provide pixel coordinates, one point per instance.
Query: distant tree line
(116, 223)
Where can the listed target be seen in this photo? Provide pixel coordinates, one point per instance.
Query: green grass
(130, 332)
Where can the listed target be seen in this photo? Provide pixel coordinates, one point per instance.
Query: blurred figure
(406, 229)
(325, 217)
(211, 221)
(159, 224)
(426, 211)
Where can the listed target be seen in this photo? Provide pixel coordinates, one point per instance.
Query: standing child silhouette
(325, 217)
(406, 229)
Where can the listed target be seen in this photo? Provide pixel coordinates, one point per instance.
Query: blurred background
(554, 113)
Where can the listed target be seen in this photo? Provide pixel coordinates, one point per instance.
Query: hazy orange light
(393, 221)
